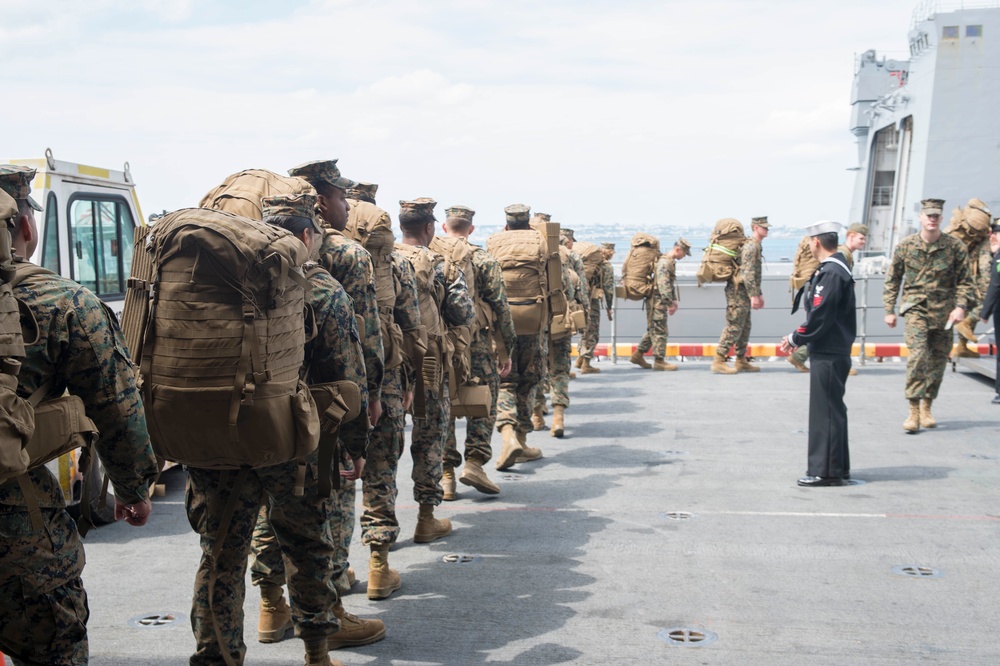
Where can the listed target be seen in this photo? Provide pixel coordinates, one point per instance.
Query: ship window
(101, 233)
(949, 32)
(50, 241)
(973, 31)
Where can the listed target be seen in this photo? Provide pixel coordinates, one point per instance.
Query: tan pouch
(472, 402)
(528, 317)
(561, 326)
(61, 425)
(579, 320)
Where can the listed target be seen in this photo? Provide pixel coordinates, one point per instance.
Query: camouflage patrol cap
(565, 232)
(858, 228)
(932, 206)
(461, 212)
(760, 222)
(16, 180)
(416, 211)
(608, 246)
(322, 171)
(291, 205)
(8, 207)
(544, 217)
(517, 213)
(684, 246)
(363, 192)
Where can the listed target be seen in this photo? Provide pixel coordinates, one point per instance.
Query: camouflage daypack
(719, 263)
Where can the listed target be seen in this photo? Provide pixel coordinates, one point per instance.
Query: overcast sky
(596, 112)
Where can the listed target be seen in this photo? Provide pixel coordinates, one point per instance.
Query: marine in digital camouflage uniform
(496, 322)
(351, 265)
(516, 389)
(592, 336)
(560, 349)
(938, 288)
(661, 303)
(293, 540)
(430, 432)
(742, 295)
(980, 261)
(44, 611)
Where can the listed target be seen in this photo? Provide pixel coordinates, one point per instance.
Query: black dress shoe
(815, 481)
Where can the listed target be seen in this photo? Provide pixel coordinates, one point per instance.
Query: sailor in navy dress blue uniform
(829, 331)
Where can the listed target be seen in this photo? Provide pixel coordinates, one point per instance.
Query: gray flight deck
(671, 504)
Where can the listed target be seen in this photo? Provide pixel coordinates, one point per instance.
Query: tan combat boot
(345, 582)
(537, 418)
(511, 447)
(962, 350)
(527, 453)
(926, 418)
(588, 369)
(967, 329)
(799, 365)
(660, 364)
(354, 632)
(912, 423)
(275, 622)
(743, 365)
(316, 653)
(638, 359)
(430, 528)
(579, 362)
(382, 581)
(448, 483)
(557, 421)
(853, 371)
(572, 375)
(474, 475)
(720, 367)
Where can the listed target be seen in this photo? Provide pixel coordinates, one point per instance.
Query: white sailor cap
(824, 227)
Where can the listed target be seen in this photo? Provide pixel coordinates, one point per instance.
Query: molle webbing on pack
(593, 258)
(640, 263)
(240, 193)
(457, 254)
(803, 266)
(720, 261)
(371, 226)
(529, 262)
(225, 342)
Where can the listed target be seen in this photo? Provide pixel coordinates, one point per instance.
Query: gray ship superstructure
(927, 127)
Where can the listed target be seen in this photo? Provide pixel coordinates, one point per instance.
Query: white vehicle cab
(86, 225)
(86, 230)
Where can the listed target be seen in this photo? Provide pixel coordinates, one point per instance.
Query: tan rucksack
(429, 298)
(639, 267)
(457, 255)
(224, 343)
(240, 193)
(371, 226)
(593, 259)
(532, 275)
(719, 263)
(803, 266)
(971, 223)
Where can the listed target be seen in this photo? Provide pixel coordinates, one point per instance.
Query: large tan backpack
(224, 341)
(970, 224)
(593, 259)
(639, 267)
(533, 282)
(803, 266)
(430, 298)
(240, 193)
(719, 263)
(371, 226)
(457, 255)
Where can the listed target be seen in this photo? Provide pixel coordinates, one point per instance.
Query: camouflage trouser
(267, 564)
(737, 331)
(559, 362)
(379, 526)
(590, 337)
(801, 354)
(537, 397)
(429, 435)
(928, 357)
(513, 407)
(302, 529)
(656, 328)
(43, 606)
(478, 431)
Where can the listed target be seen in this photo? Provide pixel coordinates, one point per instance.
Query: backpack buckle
(262, 377)
(248, 390)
